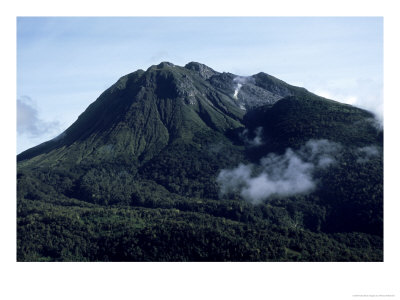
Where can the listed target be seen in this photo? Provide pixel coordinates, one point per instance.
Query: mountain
(145, 111)
(190, 164)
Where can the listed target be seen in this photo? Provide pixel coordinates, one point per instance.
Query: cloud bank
(279, 175)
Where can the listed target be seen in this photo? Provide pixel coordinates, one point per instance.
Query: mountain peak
(165, 64)
(204, 71)
(161, 65)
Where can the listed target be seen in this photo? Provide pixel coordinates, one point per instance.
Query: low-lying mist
(279, 175)
(288, 174)
(256, 140)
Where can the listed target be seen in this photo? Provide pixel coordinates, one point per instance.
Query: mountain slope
(141, 114)
(166, 101)
(137, 174)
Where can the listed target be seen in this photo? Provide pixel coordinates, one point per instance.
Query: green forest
(135, 177)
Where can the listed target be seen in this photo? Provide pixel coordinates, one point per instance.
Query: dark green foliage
(354, 196)
(190, 169)
(49, 232)
(134, 178)
(292, 121)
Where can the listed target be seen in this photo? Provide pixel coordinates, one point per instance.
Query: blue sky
(63, 64)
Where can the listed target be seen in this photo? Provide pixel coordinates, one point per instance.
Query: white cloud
(31, 128)
(279, 175)
(28, 120)
(256, 138)
(364, 93)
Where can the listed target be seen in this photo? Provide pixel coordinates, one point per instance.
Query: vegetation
(134, 179)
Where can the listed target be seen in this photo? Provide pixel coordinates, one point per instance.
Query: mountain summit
(186, 163)
(145, 111)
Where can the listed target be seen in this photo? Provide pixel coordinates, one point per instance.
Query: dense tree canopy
(135, 178)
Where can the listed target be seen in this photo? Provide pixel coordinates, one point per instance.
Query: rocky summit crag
(137, 177)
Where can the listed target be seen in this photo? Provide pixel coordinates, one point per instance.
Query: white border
(197, 280)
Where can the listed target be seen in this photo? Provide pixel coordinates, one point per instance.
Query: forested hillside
(189, 164)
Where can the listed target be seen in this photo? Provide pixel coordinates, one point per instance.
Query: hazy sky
(64, 64)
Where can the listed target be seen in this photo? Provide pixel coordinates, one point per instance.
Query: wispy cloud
(364, 93)
(252, 140)
(240, 81)
(279, 175)
(159, 57)
(28, 119)
(367, 153)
